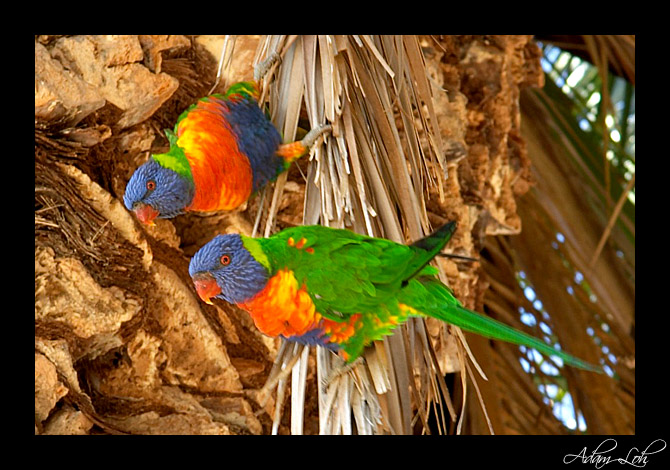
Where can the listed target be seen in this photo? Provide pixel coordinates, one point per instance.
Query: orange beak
(146, 214)
(206, 287)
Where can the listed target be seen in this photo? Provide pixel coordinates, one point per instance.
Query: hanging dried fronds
(373, 174)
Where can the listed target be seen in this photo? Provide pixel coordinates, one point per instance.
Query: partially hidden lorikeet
(340, 290)
(222, 150)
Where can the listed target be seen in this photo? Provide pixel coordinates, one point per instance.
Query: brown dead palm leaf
(368, 175)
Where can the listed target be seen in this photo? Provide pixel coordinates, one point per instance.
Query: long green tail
(443, 306)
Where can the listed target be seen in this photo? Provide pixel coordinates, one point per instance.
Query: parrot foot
(281, 369)
(340, 371)
(310, 138)
(260, 70)
(302, 147)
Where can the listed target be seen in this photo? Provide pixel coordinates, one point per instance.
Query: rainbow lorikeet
(223, 149)
(338, 289)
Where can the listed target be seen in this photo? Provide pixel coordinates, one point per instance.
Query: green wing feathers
(345, 273)
(435, 242)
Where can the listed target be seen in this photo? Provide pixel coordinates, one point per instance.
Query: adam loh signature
(599, 457)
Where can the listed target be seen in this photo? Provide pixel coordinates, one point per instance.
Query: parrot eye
(225, 260)
(151, 185)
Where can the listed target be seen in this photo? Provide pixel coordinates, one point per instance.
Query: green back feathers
(345, 272)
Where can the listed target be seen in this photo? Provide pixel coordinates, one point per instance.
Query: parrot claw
(310, 139)
(281, 369)
(260, 70)
(340, 371)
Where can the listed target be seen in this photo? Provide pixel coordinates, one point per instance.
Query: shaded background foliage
(426, 129)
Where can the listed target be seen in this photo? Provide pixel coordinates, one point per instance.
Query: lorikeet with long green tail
(338, 289)
(223, 149)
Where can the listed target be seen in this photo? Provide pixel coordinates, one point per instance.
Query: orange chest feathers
(285, 308)
(221, 172)
(282, 307)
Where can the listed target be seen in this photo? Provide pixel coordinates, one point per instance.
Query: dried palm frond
(368, 175)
